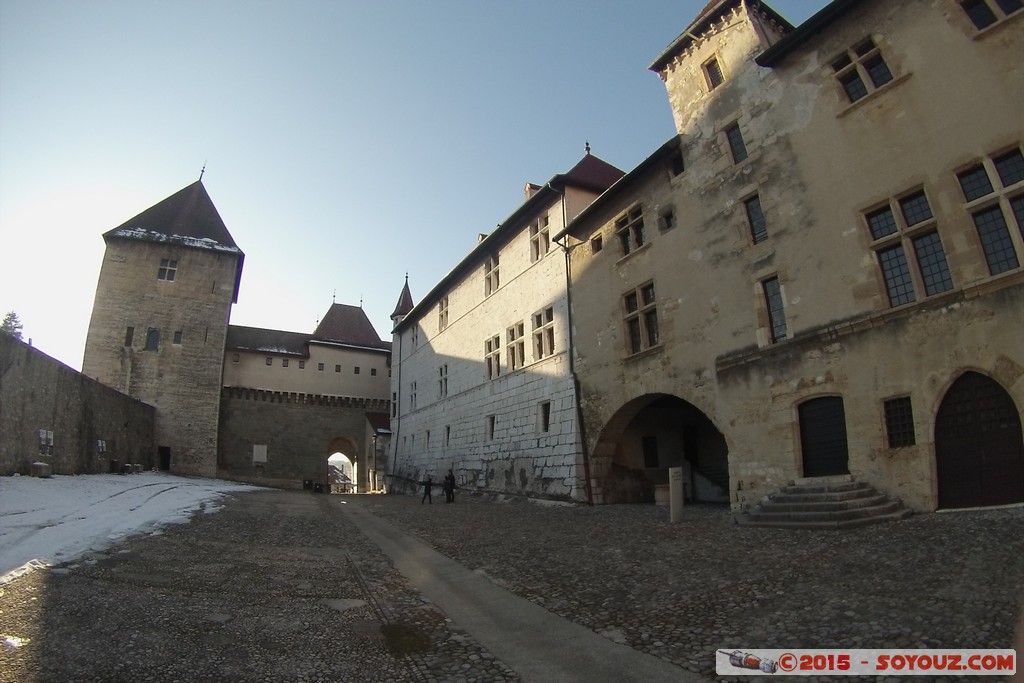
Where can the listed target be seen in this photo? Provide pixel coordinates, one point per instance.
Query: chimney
(481, 237)
(531, 190)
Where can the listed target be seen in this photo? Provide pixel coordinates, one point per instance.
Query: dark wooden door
(979, 446)
(823, 437)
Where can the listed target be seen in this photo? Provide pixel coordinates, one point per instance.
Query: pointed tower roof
(187, 217)
(404, 304)
(346, 324)
(591, 173)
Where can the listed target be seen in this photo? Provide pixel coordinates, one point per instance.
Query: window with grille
(515, 347)
(492, 356)
(168, 269)
(630, 229)
(491, 282)
(861, 70)
(905, 236)
(442, 381)
(736, 145)
(412, 395)
(544, 333)
(985, 13)
(755, 219)
(776, 310)
(640, 318)
(540, 241)
(713, 73)
(899, 422)
(994, 192)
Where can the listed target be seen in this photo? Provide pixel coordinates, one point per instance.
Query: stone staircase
(836, 502)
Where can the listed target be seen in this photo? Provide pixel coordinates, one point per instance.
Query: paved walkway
(537, 644)
(293, 586)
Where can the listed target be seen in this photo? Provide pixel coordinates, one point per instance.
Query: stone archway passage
(979, 447)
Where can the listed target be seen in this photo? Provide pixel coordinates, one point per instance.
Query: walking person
(427, 485)
(449, 487)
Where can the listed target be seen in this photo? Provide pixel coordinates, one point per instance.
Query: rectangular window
(489, 427)
(152, 340)
(899, 422)
(713, 73)
(412, 395)
(736, 144)
(129, 335)
(755, 219)
(270, 361)
(544, 417)
(906, 225)
(544, 333)
(302, 365)
(491, 281)
(442, 313)
(776, 309)
(898, 283)
(630, 229)
(234, 358)
(667, 218)
(492, 356)
(540, 241)
(861, 70)
(168, 269)
(994, 177)
(515, 347)
(984, 13)
(177, 337)
(442, 381)
(394, 404)
(337, 368)
(355, 370)
(641, 319)
(373, 372)
(284, 362)
(447, 435)
(596, 245)
(414, 334)
(320, 367)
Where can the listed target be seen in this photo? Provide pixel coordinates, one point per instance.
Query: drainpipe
(566, 249)
(397, 408)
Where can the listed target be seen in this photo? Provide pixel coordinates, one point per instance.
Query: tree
(11, 325)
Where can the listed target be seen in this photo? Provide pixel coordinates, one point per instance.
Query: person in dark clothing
(426, 490)
(449, 487)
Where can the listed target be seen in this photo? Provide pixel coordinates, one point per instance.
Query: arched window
(152, 340)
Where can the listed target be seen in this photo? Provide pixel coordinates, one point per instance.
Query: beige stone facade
(830, 277)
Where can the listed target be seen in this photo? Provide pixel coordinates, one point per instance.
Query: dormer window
(713, 73)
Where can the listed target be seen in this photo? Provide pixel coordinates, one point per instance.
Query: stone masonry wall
(298, 430)
(40, 393)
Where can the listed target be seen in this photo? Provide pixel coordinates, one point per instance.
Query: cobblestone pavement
(279, 586)
(682, 591)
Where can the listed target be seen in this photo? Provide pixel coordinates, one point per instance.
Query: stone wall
(299, 431)
(40, 393)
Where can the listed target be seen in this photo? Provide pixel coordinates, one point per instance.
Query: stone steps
(824, 503)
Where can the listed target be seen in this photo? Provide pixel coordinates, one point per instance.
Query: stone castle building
(230, 401)
(819, 275)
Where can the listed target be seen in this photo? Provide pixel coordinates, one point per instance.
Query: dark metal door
(823, 437)
(979, 447)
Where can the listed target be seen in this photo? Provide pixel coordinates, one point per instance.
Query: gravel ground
(682, 591)
(279, 586)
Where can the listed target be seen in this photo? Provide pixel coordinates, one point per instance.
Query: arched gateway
(651, 434)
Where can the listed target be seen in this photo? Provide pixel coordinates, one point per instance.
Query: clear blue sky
(346, 143)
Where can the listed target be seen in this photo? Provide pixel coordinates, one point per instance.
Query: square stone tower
(160, 318)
